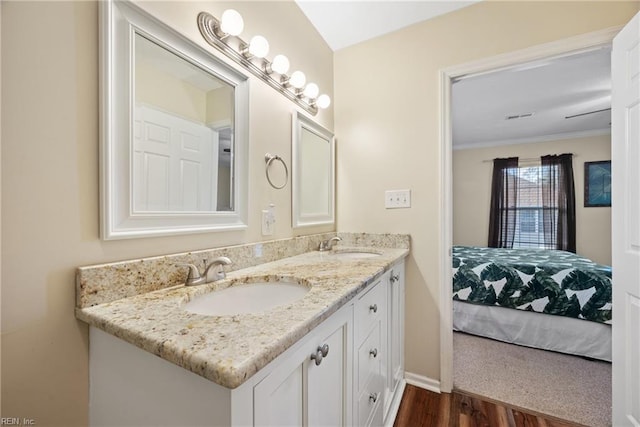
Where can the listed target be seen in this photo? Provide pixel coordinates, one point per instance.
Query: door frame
(556, 49)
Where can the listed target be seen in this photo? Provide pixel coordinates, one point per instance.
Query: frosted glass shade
(258, 46)
(231, 22)
(323, 101)
(280, 64)
(311, 91)
(297, 79)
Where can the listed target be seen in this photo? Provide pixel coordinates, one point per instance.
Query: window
(529, 209)
(528, 220)
(533, 206)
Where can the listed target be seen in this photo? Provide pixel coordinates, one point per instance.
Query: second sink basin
(354, 255)
(245, 298)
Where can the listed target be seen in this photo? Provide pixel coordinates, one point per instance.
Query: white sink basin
(355, 255)
(248, 298)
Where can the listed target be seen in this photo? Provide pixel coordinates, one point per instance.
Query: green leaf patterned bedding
(545, 281)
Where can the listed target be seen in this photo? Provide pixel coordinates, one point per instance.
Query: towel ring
(269, 158)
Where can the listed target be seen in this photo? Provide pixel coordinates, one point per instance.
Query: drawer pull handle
(395, 278)
(374, 352)
(373, 397)
(373, 308)
(320, 353)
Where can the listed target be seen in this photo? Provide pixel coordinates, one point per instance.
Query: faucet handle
(193, 276)
(327, 245)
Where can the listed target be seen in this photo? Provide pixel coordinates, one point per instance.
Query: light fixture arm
(215, 28)
(209, 27)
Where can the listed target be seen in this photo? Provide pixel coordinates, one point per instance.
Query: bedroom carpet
(561, 386)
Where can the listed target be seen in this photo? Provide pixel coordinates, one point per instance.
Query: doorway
(558, 49)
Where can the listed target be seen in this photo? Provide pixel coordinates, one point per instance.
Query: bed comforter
(545, 281)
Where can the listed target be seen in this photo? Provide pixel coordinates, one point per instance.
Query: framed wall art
(597, 184)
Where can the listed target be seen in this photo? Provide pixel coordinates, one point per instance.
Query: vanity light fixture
(252, 56)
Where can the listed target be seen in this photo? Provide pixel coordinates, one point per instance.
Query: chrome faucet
(212, 272)
(327, 245)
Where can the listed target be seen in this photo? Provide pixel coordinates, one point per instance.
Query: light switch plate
(268, 220)
(396, 199)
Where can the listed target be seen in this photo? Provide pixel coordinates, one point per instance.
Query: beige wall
(472, 192)
(220, 105)
(177, 96)
(387, 124)
(50, 182)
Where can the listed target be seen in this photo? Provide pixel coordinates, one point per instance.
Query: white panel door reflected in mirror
(181, 157)
(313, 173)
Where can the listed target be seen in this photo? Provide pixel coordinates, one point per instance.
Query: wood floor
(424, 408)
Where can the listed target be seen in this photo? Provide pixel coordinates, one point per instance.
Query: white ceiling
(551, 90)
(345, 23)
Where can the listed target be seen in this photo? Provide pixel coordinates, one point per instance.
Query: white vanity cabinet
(129, 386)
(346, 371)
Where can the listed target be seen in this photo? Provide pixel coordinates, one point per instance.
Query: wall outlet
(396, 199)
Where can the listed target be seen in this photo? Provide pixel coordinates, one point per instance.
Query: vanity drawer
(370, 308)
(370, 404)
(369, 358)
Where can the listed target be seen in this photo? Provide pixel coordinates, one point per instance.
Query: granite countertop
(228, 350)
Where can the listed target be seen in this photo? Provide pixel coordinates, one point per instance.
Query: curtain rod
(528, 159)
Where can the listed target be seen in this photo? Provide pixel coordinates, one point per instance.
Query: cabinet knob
(320, 353)
(325, 350)
(373, 397)
(374, 352)
(373, 308)
(395, 278)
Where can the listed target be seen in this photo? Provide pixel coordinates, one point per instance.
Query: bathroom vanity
(332, 357)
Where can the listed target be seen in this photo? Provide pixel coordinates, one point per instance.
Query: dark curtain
(558, 202)
(504, 198)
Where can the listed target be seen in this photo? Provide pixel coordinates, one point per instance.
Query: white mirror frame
(302, 123)
(119, 22)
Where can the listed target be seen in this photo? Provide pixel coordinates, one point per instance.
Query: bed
(548, 299)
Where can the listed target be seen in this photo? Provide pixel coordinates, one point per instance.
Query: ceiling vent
(519, 116)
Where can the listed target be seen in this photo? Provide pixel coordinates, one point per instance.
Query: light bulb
(231, 22)
(311, 91)
(323, 101)
(280, 64)
(258, 46)
(297, 79)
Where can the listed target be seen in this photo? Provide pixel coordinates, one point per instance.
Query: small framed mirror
(313, 173)
(174, 131)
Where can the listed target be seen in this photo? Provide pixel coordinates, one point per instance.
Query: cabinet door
(397, 323)
(326, 393)
(278, 399)
(301, 392)
(396, 333)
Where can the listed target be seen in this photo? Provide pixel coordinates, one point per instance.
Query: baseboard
(422, 382)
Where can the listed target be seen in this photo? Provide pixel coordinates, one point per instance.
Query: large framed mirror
(313, 167)
(174, 131)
